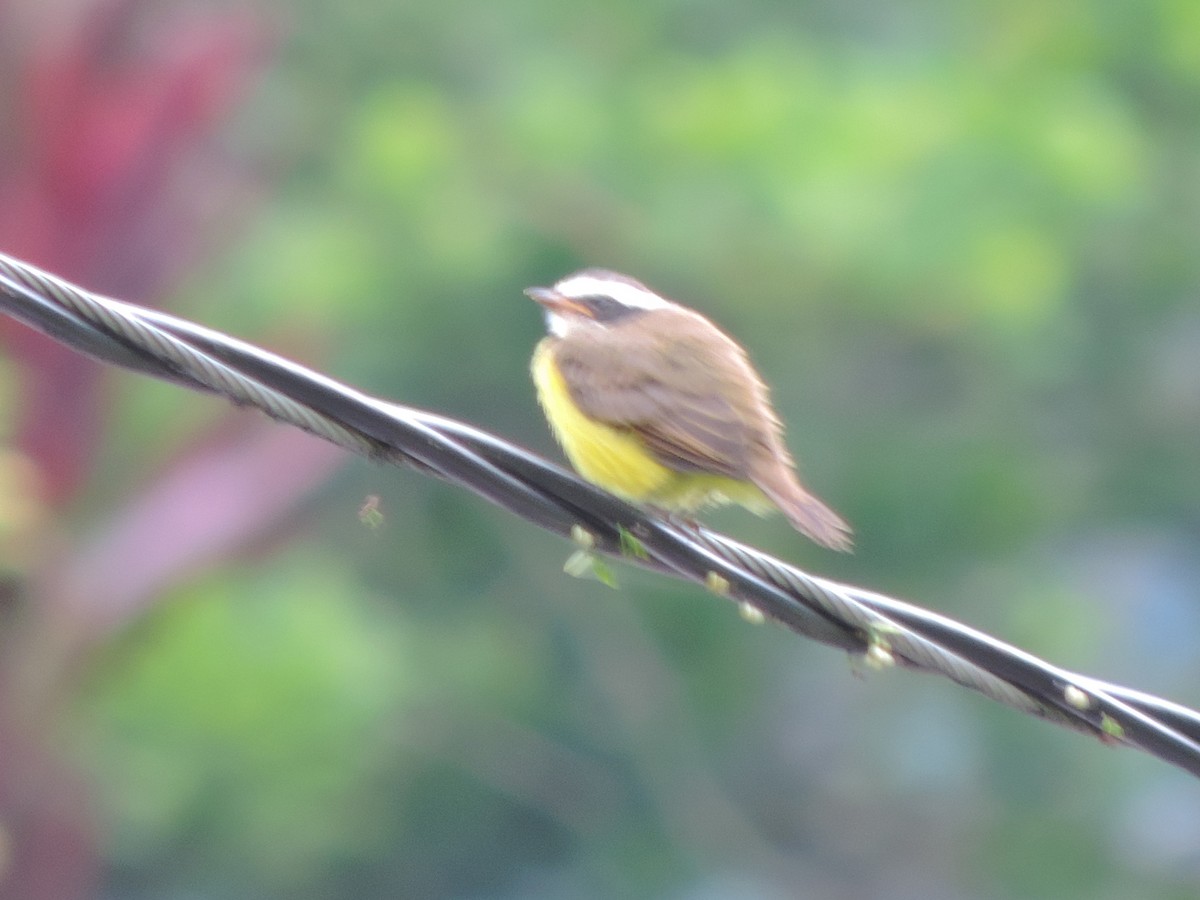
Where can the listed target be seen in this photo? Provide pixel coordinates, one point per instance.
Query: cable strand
(853, 619)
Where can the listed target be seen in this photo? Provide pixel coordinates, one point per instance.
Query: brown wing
(676, 381)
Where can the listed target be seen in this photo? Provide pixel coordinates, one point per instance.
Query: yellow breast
(617, 461)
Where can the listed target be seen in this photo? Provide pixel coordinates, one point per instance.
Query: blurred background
(959, 238)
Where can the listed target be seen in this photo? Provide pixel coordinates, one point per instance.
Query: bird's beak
(552, 300)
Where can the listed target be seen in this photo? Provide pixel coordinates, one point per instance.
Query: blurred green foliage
(960, 240)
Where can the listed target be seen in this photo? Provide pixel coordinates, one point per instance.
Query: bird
(654, 403)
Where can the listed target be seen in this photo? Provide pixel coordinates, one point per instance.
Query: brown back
(684, 387)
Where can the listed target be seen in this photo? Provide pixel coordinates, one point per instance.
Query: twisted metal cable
(858, 621)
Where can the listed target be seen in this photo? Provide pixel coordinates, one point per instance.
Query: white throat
(557, 325)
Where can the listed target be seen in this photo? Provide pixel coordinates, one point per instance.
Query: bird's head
(594, 298)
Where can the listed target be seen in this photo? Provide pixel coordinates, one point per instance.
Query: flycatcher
(653, 402)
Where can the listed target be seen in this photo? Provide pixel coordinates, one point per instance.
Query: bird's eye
(605, 308)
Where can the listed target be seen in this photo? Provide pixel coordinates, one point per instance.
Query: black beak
(543, 295)
(552, 300)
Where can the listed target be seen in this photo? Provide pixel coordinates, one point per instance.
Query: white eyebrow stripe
(624, 292)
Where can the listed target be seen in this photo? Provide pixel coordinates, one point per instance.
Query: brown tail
(807, 514)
